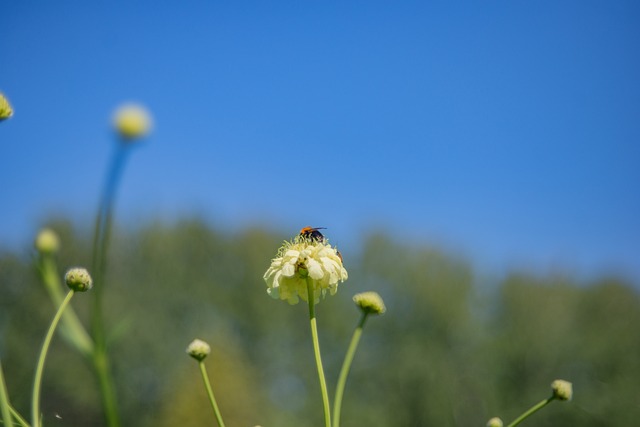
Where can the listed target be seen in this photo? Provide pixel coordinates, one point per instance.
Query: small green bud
(495, 422)
(131, 122)
(562, 390)
(5, 108)
(370, 302)
(78, 279)
(47, 241)
(198, 349)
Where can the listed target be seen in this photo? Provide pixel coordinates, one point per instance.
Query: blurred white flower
(47, 241)
(131, 121)
(5, 108)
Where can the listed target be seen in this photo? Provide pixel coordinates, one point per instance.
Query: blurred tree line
(446, 353)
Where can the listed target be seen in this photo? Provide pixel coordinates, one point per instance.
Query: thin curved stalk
(344, 371)
(5, 408)
(212, 399)
(18, 417)
(101, 240)
(37, 382)
(530, 411)
(316, 351)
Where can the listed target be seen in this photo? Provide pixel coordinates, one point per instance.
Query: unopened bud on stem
(47, 242)
(78, 279)
(370, 302)
(562, 390)
(198, 349)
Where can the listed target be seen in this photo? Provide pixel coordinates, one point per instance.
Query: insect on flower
(312, 233)
(306, 267)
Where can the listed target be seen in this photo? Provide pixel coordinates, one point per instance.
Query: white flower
(302, 260)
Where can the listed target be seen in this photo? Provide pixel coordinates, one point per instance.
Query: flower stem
(212, 398)
(531, 410)
(344, 372)
(4, 401)
(107, 390)
(101, 240)
(18, 417)
(316, 350)
(35, 397)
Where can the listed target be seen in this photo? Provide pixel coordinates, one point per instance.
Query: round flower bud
(78, 279)
(47, 241)
(5, 109)
(495, 422)
(562, 390)
(131, 122)
(370, 302)
(198, 349)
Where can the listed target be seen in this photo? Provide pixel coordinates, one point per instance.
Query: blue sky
(507, 131)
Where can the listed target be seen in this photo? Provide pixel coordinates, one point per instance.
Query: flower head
(47, 241)
(78, 279)
(370, 302)
(495, 422)
(305, 259)
(198, 349)
(562, 390)
(131, 122)
(5, 109)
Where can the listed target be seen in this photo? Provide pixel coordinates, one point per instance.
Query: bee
(312, 233)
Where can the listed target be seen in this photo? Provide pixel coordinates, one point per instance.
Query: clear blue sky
(508, 131)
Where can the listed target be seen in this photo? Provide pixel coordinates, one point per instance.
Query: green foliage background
(446, 353)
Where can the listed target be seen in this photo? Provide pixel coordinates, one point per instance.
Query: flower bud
(562, 390)
(47, 241)
(370, 302)
(78, 279)
(131, 122)
(5, 109)
(198, 349)
(495, 422)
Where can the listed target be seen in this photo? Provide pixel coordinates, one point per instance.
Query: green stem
(101, 240)
(212, 398)
(316, 350)
(35, 397)
(4, 401)
(107, 391)
(533, 409)
(18, 417)
(344, 372)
